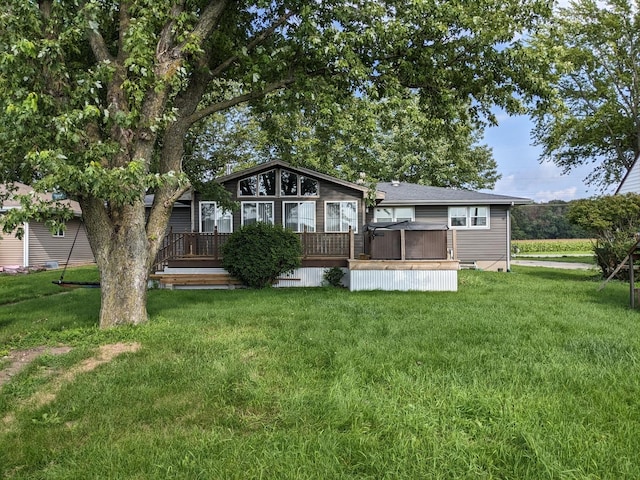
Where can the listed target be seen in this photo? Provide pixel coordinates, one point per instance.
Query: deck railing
(198, 244)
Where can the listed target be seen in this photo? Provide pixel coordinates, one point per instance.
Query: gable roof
(400, 193)
(23, 189)
(305, 171)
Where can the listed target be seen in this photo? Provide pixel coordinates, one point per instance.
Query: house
(398, 236)
(38, 246)
(631, 181)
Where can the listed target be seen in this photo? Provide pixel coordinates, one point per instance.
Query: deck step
(170, 280)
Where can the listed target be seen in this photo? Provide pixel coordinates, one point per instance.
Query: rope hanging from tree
(61, 282)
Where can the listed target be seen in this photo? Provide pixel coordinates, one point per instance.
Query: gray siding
(631, 182)
(11, 250)
(44, 247)
(180, 220)
(473, 245)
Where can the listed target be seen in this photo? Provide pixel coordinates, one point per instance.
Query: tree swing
(61, 282)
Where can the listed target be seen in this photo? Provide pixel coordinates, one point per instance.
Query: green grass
(531, 374)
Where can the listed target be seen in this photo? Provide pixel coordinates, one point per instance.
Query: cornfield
(573, 245)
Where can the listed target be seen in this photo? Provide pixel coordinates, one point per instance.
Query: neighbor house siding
(44, 247)
(11, 250)
(631, 182)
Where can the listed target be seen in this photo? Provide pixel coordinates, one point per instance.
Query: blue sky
(522, 173)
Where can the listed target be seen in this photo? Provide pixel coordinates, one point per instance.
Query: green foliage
(259, 253)
(544, 221)
(333, 276)
(592, 50)
(614, 221)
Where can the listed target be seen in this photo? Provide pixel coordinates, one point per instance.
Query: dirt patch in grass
(19, 359)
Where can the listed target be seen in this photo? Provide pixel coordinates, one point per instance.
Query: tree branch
(217, 107)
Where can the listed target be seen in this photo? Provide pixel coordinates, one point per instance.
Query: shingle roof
(413, 194)
(22, 189)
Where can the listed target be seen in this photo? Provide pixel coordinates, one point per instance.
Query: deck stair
(195, 279)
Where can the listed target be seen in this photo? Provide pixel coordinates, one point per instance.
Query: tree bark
(118, 239)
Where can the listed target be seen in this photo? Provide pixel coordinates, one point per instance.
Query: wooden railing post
(215, 242)
(352, 244)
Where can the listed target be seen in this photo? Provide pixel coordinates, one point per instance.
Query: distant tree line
(544, 221)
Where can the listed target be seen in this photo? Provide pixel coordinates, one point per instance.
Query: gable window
(263, 185)
(339, 216)
(469, 217)
(59, 233)
(212, 217)
(294, 185)
(394, 214)
(299, 216)
(253, 212)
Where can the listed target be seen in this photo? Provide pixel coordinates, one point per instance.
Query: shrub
(259, 253)
(333, 276)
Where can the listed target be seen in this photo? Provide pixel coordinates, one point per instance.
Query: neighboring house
(631, 181)
(417, 234)
(39, 246)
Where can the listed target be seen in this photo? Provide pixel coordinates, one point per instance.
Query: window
(299, 216)
(294, 185)
(211, 216)
(59, 233)
(339, 216)
(253, 212)
(469, 217)
(394, 214)
(263, 185)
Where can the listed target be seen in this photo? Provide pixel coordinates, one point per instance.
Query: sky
(522, 173)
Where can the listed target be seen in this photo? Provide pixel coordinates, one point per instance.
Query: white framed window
(253, 212)
(469, 217)
(212, 216)
(339, 216)
(394, 214)
(59, 233)
(299, 216)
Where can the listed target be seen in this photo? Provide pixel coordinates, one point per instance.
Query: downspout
(509, 237)
(25, 246)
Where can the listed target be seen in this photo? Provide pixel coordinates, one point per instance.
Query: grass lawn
(525, 375)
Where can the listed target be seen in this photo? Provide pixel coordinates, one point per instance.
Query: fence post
(305, 239)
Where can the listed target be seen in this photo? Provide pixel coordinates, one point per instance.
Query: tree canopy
(387, 140)
(97, 96)
(592, 49)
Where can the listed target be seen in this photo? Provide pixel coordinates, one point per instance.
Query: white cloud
(565, 194)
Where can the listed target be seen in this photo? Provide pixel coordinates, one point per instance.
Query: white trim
(273, 211)
(25, 246)
(394, 217)
(357, 220)
(299, 202)
(216, 216)
(468, 217)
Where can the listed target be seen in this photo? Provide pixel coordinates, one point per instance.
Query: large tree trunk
(119, 242)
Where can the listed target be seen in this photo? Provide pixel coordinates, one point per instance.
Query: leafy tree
(593, 52)
(614, 221)
(544, 221)
(97, 96)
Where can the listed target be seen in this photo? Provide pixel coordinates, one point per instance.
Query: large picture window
(299, 216)
(253, 212)
(211, 216)
(294, 185)
(469, 217)
(339, 216)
